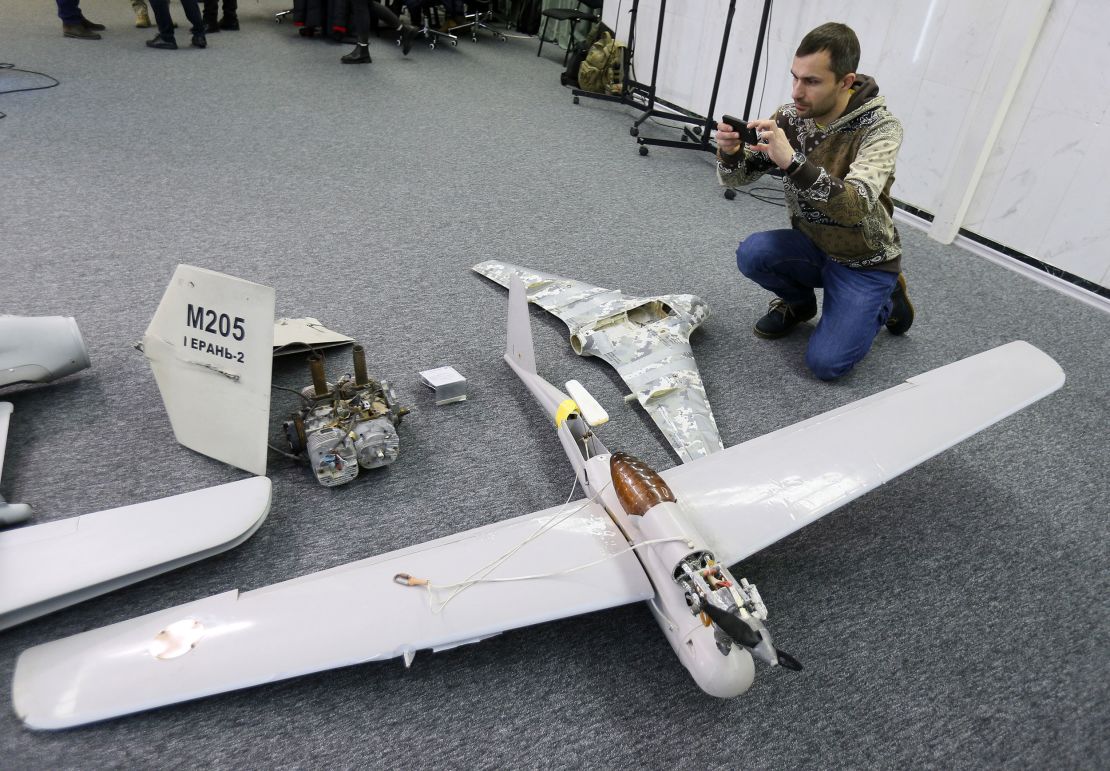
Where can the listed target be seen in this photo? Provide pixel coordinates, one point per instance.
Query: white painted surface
(38, 349)
(56, 564)
(346, 615)
(753, 494)
(214, 377)
(1044, 191)
(5, 418)
(10, 513)
(1035, 182)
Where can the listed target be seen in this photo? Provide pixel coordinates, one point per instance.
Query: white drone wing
(10, 513)
(345, 615)
(5, 418)
(49, 566)
(755, 493)
(645, 339)
(210, 345)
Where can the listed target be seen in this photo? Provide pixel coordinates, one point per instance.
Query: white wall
(1044, 189)
(1002, 103)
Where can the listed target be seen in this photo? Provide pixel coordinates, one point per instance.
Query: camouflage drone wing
(645, 339)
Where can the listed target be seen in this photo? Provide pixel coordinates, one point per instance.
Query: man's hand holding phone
(771, 140)
(731, 132)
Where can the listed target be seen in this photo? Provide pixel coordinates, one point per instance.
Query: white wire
(434, 587)
(479, 576)
(484, 571)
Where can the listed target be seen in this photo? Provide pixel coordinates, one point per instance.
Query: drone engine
(734, 607)
(345, 425)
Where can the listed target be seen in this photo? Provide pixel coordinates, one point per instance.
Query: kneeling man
(836, 144)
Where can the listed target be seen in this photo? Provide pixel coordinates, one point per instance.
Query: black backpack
(528, 20)
(569, 76)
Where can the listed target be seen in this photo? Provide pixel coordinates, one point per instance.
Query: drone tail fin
(210, 345)
(519, 350)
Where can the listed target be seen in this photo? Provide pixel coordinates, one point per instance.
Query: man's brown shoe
(93, 25)
(79, 31)
(780, 318)
(901, 315)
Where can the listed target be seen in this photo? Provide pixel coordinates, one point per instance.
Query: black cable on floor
(12, 67)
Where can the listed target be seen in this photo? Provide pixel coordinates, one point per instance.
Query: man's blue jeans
(69, 11)
(856, 304)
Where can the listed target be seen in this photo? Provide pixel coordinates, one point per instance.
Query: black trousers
(362, 11)
(161, 10)
(212, 9)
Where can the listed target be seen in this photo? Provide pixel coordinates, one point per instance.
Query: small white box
(448, 384)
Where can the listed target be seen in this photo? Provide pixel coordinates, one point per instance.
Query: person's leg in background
(74, 23)
(196, 19)
(142, 14)
(165, 37)
(360, 12)
(230, 19)
(362, 9)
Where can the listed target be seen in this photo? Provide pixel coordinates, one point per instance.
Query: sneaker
(901, 315)
(79, 31)
(160, 42)
(782, 317)
(361, 55)
(142, 18)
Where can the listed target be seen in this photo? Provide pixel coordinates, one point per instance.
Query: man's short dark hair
(841, 43)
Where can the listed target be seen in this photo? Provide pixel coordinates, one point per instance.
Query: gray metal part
(653, 358)
(377, 444)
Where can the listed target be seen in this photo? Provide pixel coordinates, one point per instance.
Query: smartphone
(747, 135)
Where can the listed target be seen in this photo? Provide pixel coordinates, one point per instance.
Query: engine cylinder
(637, 485)
(319, 382)
(361, 378)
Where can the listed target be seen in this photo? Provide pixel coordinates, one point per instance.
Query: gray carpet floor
(956, 617)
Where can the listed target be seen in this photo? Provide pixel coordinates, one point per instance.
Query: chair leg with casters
(477, 20)
(431, 31)
(483, 13)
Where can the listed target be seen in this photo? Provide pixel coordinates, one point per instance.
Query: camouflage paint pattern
(646, 339)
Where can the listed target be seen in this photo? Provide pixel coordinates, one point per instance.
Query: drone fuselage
(673, 539)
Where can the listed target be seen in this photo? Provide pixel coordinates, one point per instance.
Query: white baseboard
(1061, 285)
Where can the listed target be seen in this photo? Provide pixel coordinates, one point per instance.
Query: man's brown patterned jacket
(840, 197)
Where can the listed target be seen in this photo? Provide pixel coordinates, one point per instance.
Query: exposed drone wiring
(289, 455)
(480, 576)
(468, 583)
(292, 391)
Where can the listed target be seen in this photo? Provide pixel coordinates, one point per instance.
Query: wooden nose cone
(636, 484)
